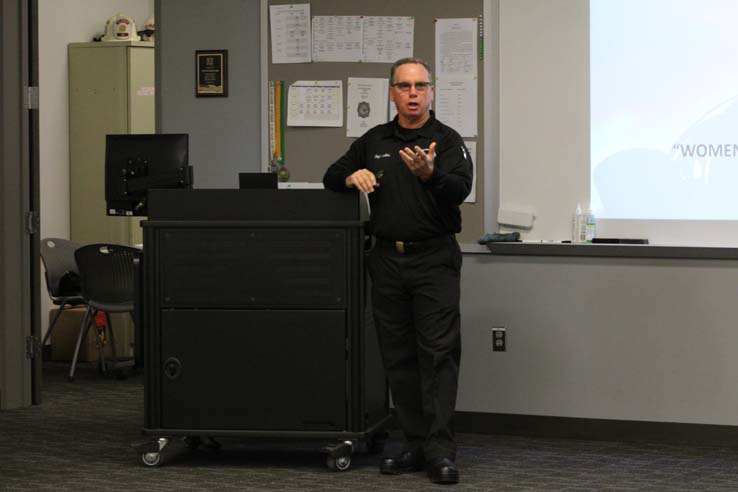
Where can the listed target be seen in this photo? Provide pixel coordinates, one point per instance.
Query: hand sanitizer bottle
(578, 229)
(590, 227)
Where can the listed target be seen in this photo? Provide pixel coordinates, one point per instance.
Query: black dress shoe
(405, 462)
(443, 471)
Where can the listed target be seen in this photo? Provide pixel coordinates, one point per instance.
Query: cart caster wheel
(151, 459)
(339, 455)
(192, 442)
(341, 463)
(150, 450)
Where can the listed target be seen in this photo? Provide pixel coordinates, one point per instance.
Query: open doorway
(60, 24)
(35, 198)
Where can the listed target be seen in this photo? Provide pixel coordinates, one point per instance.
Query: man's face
(412, 102)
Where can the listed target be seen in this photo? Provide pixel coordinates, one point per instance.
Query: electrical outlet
(499, 342)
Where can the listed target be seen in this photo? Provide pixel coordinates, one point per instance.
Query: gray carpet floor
(79, 439)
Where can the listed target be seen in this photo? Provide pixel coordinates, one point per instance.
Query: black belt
(411, 247)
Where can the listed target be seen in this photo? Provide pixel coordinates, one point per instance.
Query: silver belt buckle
(400, 247)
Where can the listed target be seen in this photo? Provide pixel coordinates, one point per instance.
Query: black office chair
(107, 277)
(62, 277)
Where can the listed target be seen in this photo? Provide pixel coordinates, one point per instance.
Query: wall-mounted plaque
(211, 73)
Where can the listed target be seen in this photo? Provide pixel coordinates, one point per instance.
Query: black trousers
(415, 302)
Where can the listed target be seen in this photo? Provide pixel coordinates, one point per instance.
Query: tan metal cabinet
(111, 91)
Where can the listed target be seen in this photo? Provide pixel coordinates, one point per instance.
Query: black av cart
(255, 324)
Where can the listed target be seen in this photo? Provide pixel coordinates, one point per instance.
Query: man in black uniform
(417, 172)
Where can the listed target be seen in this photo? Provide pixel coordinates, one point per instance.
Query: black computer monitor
(136, 163)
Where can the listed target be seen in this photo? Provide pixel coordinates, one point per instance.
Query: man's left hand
(418, 161)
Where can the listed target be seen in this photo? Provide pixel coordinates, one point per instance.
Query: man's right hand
(363, 180)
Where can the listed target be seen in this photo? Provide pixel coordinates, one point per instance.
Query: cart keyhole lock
(172, 368)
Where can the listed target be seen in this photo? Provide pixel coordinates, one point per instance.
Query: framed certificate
(211, 73)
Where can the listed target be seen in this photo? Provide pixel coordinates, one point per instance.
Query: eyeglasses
(405, 86)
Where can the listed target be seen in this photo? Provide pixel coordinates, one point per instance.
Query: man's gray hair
(405, 61)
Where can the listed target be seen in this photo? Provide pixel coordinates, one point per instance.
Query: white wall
(61, 23)
(544, 111)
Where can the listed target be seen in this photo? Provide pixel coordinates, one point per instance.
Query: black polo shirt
(403, 207)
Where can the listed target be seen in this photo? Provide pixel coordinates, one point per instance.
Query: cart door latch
(172, 368)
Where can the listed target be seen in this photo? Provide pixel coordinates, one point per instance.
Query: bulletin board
(308, 151)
